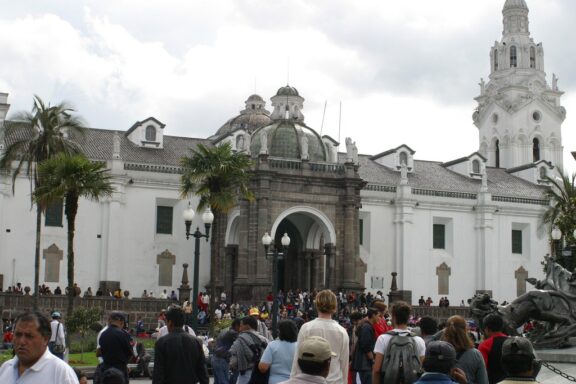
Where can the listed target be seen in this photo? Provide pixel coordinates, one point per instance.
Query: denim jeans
(221, 370)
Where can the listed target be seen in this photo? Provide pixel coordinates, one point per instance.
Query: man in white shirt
(334, 333)
(57, 343)
(163, 331)
(33, 363)
(400, 316)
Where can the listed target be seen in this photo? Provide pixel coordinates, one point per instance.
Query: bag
(58, 348)
(258, 377)
(401, 361)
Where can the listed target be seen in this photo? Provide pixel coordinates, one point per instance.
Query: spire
(515, 14)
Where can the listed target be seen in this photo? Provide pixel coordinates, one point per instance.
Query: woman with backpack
(468, 358)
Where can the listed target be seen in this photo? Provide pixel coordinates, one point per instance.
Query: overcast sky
(406, 72)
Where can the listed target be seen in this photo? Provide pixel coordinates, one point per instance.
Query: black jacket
(364, 345)
(179, 358)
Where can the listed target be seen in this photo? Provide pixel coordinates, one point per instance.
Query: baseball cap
(315, 348)
(254, 312)
(56, 315)
(440, 351)
(117, 316)
(517, 346)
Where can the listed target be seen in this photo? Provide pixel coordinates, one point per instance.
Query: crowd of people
(322, 337)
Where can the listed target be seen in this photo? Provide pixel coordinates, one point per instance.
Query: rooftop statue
(552, 307)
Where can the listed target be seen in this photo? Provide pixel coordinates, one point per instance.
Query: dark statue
(552, 308)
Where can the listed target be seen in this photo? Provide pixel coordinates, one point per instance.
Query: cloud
(406, 72)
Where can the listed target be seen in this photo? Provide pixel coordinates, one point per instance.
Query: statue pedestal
(563, 355)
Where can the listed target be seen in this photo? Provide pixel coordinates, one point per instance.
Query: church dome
(285, 139)
(510, 4)
(287, 91)
(255, 97)
(252, 117)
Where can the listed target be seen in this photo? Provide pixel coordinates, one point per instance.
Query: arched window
(513, 57)
(150, 133)
(495, 59)
(475, 166)
(543, 173)
(497, 154)
(403, 158)
(532, 57)
(535, 150)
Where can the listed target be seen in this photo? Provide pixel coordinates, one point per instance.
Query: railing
(380, 188)
(152, 168)
(441, 313)
(285, 164)
(521, 200)
(453, 195)
(312, 166)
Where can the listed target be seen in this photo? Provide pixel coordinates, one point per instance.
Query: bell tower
(519, 115)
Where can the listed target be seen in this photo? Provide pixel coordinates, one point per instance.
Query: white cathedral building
(445, 228)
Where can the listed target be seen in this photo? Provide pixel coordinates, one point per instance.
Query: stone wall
(11, 305)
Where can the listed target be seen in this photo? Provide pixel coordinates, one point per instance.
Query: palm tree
(33, 137)
(219, 177)
(562, 212)
(70, 177)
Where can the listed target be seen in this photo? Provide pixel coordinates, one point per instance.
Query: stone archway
(305, 263)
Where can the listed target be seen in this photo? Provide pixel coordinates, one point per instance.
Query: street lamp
(207, 218)
(266, 241)
(556, 234)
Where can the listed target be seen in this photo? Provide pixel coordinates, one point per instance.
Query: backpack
(401, 362)
(257, 348)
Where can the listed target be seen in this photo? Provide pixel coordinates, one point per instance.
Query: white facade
(447, 229)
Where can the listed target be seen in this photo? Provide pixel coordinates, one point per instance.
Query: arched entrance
(304, 264)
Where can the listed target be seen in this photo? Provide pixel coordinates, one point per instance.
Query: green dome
(285, 141)
(287, 91)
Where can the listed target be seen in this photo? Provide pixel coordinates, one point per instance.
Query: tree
(33, 137)
(68, 178)
(219, 177)
(82, 321)
(562, 212)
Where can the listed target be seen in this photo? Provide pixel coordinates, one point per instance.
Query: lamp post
(207, 218)
(266, 241)
(556, 234)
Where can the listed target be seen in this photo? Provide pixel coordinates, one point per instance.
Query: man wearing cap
(314, 356)
(519, 360)
(262, 328)
(57, 343)
(115, 345)
(439, 365)
(323, 326)
(33, 363)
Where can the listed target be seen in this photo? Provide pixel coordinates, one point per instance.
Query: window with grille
(516, 241)
(150, 133)
(164, 217)
(53, 214)
(439, 236)
(513, 57)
